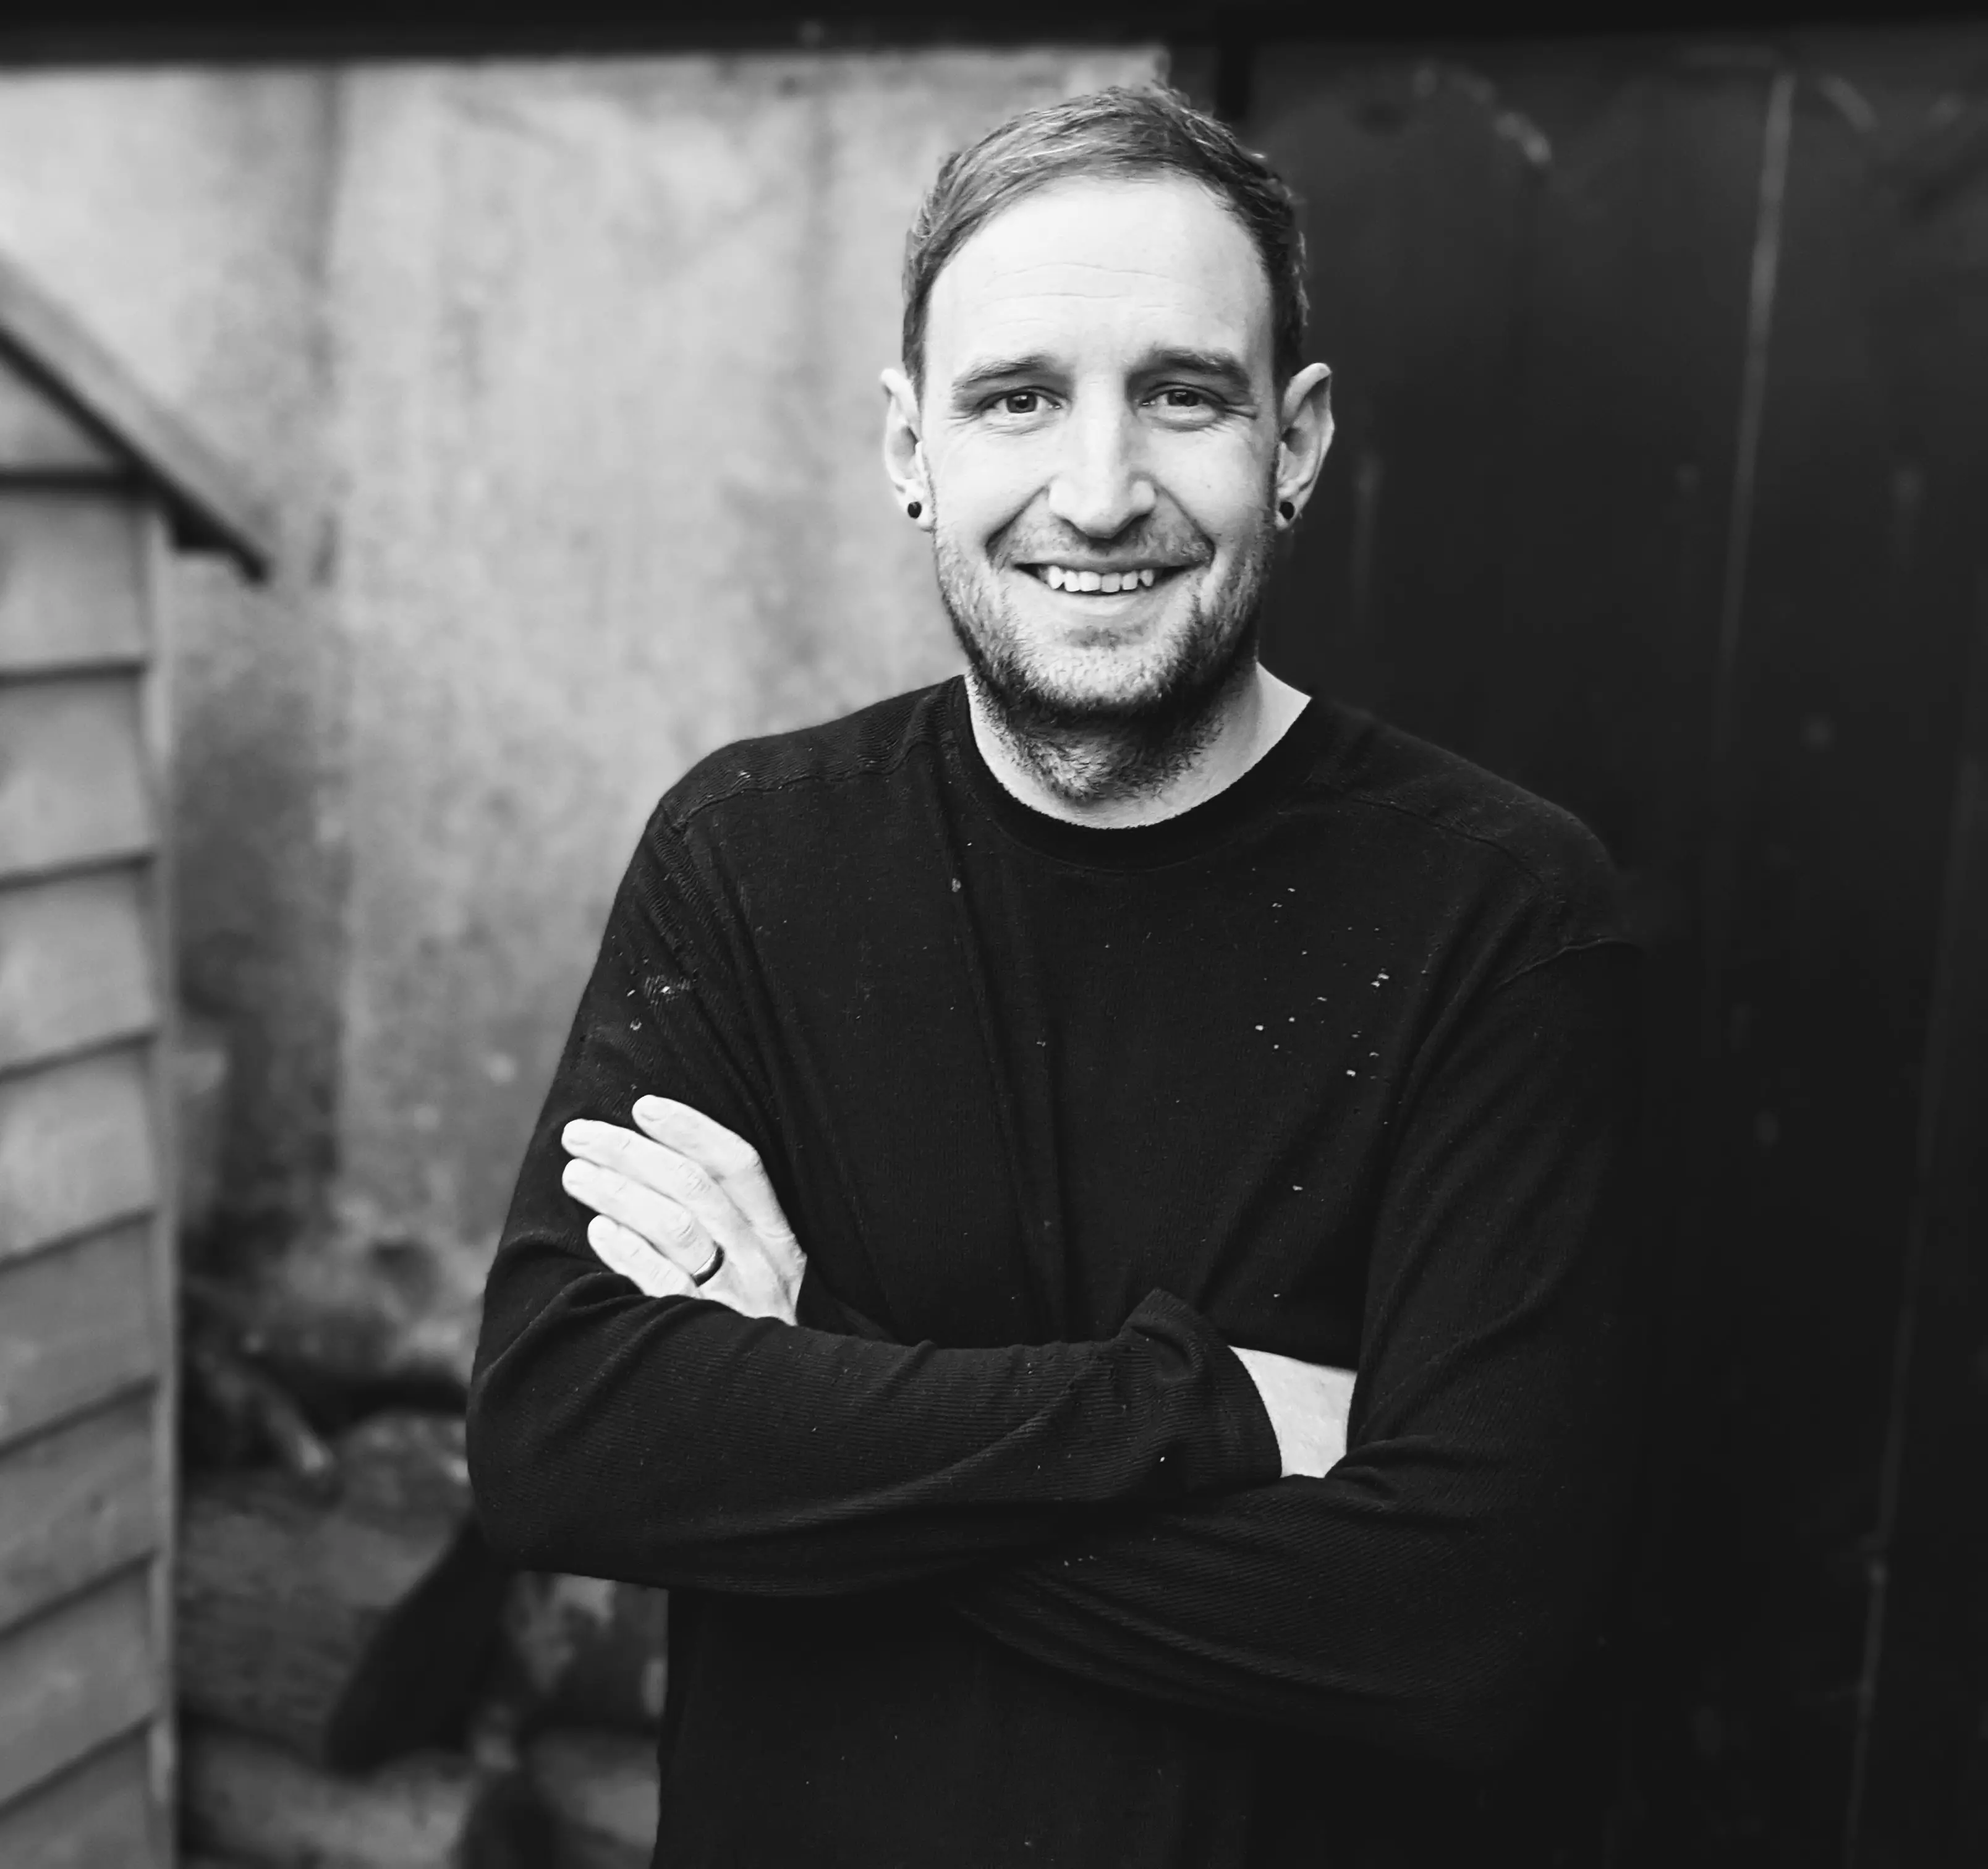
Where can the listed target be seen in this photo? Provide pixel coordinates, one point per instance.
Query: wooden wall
(1661, 487)
(87, 1389)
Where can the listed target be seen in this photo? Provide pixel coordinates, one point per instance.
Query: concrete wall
(563, 376)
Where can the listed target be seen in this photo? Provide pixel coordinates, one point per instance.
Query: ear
(904, 454)
(1304, 433)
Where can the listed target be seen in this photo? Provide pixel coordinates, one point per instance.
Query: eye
(1019, 402)
(1184, 399)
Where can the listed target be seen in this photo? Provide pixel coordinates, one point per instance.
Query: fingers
(687, 1185)
(708, 1143)
(628, 1254)
(667, 1172)
(729, 1159)
(663, 1224)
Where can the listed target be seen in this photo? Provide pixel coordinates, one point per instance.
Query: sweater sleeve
(1426, 1593)
(672, 1442)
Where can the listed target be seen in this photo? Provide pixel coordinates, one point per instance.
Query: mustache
(1163, 544)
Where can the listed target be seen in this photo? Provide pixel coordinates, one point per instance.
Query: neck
(1075, 776)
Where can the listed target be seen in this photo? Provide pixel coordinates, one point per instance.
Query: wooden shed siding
(75, 964)
(86, 1275)
(98, 1815)
(72, 589)
(76, 1148)
(79, 1505)
(162, 1574)
(80, 378)
(73, 789)
(89, 469)
(74, 1679)
(77, 1326)
(38, 437)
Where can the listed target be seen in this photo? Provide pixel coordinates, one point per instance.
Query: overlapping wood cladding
(93, 480)
(97, 1814)
(85, 1245)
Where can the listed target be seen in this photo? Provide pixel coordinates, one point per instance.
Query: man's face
(1099, 409)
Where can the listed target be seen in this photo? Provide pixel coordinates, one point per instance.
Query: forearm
(1382, 1603)
(671, 1442)
(1425, 1592)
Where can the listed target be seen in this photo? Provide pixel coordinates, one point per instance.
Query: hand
(665, 1197)
(1307, 1403)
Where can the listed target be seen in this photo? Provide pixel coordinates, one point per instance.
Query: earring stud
(1289, 512)
(913, 508)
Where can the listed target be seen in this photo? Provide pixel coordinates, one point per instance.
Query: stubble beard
(1094, 749)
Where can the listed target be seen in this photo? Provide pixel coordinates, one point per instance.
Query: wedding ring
(712, 1267)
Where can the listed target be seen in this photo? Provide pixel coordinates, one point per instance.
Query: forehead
(1085, 266)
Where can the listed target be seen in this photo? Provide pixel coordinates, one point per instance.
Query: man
(1005, 1113)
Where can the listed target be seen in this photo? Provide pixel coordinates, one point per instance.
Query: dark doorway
(1662, 487)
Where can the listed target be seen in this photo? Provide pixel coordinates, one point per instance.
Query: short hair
(1149, 129)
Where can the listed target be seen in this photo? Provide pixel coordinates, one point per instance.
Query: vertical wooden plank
(98, 1816)
(73, 1680)
(1848, 664)
(1545, 599)
(1920, 1795)
(1533, 297)
(1602, 668)
(1581, 642)
(1416, 205)
(1921, 1761)
(161, 766)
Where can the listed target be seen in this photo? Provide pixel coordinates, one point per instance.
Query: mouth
(1077, 581)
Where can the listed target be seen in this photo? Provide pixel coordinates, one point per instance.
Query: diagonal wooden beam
(211, 510)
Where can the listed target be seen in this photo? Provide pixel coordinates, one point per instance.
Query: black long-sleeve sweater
(987, 1562)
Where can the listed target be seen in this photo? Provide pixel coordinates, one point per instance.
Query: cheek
(979, 486)
(1223, 491)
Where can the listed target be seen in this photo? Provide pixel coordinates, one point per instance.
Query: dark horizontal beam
(39, 32)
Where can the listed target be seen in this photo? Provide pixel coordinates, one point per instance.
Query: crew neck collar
(1200, 828)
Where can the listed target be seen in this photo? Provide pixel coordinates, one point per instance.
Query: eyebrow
(1219, 366)
(990, 370)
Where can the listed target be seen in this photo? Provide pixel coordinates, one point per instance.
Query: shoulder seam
(1560, 953)
(1379, 803)
(680, 820)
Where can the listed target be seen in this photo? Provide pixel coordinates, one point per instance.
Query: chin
(1123, 683)
(1156, 685)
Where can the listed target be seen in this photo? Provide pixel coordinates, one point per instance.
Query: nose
(1101, 486)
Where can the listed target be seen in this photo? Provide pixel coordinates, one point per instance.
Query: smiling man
(999, 1124)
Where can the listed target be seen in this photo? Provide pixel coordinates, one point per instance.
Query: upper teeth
(1058, 579)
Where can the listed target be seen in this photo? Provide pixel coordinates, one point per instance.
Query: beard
(1128, 735)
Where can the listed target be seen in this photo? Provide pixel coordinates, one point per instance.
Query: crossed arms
(1120, 1510)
